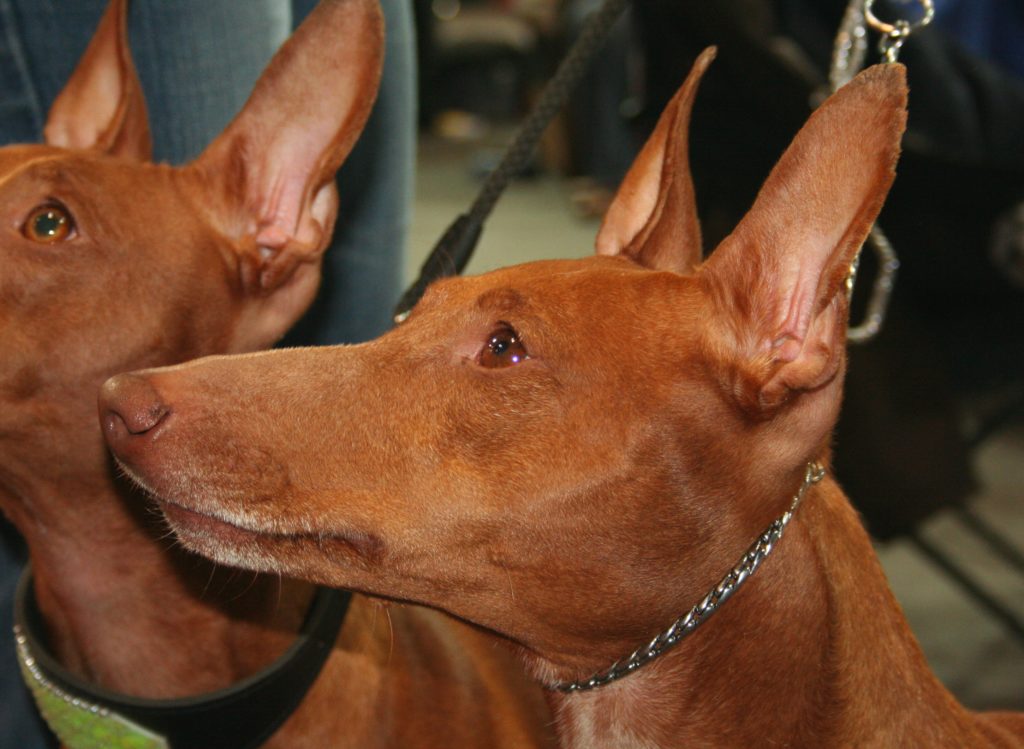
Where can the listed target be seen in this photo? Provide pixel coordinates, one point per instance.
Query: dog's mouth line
(205, 517)
(224, 530)
(177, 511)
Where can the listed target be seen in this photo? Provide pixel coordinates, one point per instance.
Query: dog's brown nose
(129, 407)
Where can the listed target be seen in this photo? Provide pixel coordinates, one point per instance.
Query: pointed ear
(102, 107)
(273, 167)
(778, 280)
(653, 218)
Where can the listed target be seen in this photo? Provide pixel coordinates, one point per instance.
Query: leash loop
(848, 56)
(901, 28)
(895, 34)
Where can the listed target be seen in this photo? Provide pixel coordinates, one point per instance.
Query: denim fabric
(198, 60)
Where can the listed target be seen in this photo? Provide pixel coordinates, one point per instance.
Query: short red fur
(578, 502)
(164, 264)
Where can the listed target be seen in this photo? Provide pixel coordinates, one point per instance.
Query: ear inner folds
(779, 278)
(653, 218)
(102, 107)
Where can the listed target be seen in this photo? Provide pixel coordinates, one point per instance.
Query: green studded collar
(242, 716)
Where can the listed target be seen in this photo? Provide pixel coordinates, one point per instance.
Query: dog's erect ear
(102, 107)
(271, 172)
(653, 218)
(779, 279)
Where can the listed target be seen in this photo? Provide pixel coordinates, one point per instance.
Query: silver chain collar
(700, 613)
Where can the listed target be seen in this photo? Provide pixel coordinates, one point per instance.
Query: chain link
(895, 33)
(848, 56)
(715, 597)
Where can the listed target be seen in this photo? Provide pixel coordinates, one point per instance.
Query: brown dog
(114, 263)
(573, 453)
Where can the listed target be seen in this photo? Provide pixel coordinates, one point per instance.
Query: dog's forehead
(573, 282)
(80, 170)
(556, 298)
(20, 162)
(501, 298)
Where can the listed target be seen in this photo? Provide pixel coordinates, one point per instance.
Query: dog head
(565, 452)
(113, 262)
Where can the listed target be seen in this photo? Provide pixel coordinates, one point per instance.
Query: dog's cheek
(494, 428)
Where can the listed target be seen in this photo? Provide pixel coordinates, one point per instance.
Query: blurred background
(930, 446)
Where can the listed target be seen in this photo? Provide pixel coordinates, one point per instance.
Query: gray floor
(972, 653)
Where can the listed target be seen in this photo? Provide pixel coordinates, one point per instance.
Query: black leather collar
(241, 716)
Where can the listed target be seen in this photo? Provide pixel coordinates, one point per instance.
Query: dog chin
(217, 539)
(127, 471)
(290, 553)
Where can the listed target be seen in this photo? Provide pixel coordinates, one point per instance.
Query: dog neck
(105, 572)
(687, 624)
(816, 627)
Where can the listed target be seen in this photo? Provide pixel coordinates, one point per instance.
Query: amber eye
(502, 349)
(48, 224)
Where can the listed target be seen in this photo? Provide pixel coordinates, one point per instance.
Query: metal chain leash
(848, 57)
(686, 624)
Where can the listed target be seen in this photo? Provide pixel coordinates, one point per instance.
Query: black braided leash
(455, 247)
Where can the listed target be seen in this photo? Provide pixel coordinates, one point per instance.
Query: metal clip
(894, 34)
(847, 58)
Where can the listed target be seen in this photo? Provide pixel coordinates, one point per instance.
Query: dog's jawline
(223, 540)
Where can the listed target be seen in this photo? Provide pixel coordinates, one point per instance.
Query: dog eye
(502, 349)
(48, 224)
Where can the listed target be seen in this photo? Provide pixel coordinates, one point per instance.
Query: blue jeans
(198, 61)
